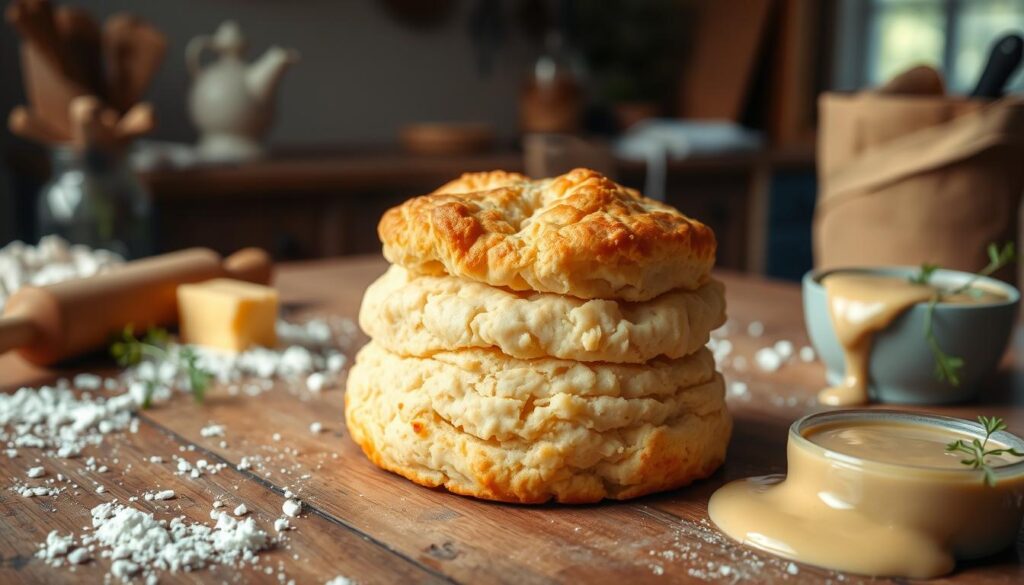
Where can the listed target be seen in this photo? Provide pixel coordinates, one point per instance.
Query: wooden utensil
(25, 123)
(51, 323)
(79, 35)
(86, 129)
(133, 50)
(50, 81)
(35, 21)
(136, 121)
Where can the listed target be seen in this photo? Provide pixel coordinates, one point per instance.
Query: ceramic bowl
(902, 368)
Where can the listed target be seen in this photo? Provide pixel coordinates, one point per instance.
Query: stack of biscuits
(541, 340)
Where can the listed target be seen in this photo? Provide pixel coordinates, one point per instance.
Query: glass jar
(552, 98)
(93, 198)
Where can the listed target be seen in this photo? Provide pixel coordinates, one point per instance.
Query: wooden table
(376, 527)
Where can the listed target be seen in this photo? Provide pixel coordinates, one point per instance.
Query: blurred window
(954, 36)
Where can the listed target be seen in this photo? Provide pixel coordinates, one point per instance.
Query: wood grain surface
(375, 527)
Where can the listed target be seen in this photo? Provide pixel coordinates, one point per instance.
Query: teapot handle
(194, 53)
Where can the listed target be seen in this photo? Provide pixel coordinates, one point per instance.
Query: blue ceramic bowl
(902, 368)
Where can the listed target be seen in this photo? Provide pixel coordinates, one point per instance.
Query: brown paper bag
(910, 179)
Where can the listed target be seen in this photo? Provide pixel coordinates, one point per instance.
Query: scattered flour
(60, 421)
(768, 359)
(140, 545)
(52, 260)
(755, 329)
(773, 357)
(213, 430)
(291, 507)
(807, 354)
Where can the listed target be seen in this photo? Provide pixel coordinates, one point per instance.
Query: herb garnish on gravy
(947, 367)
(977, 449)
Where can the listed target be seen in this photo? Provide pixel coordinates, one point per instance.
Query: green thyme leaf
(976, 451)
(130, 350)
(925, 275)
(198, 378)
(997, 259)
(947, 367)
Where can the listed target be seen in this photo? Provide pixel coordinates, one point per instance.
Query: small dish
(901, 364)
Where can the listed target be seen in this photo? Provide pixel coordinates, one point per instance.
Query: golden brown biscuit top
(578, 234)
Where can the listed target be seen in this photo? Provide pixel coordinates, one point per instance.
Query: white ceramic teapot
(231, 101)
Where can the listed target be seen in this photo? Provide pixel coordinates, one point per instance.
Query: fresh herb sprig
(997, 258)
(130, 350)
(947, 367)
(925, 275)
(977, 451)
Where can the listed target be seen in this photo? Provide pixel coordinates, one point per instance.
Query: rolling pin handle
(250, 264)
(16, 331)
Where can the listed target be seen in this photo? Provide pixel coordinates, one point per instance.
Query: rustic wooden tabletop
(375, 527)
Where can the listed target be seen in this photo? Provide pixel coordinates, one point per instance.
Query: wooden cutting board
(375, 527)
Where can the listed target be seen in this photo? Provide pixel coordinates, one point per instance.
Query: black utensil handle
(1002, 63)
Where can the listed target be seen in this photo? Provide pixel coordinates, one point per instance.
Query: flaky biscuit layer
(422, 315)
(579, 234)
(486, 425)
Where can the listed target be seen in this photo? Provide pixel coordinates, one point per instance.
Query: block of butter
(227, 314)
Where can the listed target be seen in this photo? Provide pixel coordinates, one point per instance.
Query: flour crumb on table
(291, 507)
(755, 329)
(768, 359)
(213, 430)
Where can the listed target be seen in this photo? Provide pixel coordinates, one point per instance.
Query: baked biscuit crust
(579, 234)
(529, 431)
(423, 315)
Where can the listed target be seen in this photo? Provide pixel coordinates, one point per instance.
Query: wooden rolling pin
(52, 323)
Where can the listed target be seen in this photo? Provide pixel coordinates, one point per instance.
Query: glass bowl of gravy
(869, 325)
(875, 492)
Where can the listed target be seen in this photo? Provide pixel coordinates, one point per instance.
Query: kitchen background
(711, 105)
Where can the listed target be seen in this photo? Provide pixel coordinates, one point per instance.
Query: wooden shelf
(337, 173)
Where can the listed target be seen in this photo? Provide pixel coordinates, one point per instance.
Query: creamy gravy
(863, 514)
(860, 305)
(897, 443)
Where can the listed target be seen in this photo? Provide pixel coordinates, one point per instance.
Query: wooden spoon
(133, 50)
(80, 35)
(23, 122)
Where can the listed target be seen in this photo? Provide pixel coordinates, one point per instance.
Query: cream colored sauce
(861, 305)
(871, 518)
(896, 443)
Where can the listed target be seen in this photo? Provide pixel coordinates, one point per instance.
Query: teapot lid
(229, 38)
